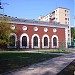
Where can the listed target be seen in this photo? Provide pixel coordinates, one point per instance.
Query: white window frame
(24, 34)
(13, 34)
(43, 41)
(57, 41)
(32, 41)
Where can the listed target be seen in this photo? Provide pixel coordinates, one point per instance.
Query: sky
(32, 9)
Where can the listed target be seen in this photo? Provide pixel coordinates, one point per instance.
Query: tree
(73, 33)
(5, 30)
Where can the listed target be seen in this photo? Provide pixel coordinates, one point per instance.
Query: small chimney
(50, 20)
(58, 22)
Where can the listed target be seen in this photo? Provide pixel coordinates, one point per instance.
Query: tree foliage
(5, 30)
(73, 32)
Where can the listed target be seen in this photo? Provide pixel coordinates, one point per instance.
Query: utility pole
(2, 6)
(2, 9)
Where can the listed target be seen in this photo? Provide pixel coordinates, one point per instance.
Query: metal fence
(59, 45)
(42, 45)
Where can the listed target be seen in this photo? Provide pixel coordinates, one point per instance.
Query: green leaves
(5, 30)
(73, 32)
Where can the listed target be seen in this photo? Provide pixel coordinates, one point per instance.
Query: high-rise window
(65, 10)
(65, 22)
(65, 18)
(56, 18)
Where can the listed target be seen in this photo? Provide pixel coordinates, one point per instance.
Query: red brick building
(37, 34)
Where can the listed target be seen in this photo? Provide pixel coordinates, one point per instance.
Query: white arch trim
(57, 41)
(15, 40)
(33, 41)
(43, 41)
(24, 34)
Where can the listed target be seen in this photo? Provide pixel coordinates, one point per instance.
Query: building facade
(37, 34)
(60, 15)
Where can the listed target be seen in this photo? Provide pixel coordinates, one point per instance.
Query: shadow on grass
(14, 60)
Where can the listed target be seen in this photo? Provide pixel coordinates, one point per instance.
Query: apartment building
(60, 15)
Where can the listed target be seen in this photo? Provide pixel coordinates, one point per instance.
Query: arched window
(35, 41)
(24, 41)
(12, 41)
(54, 41)
(45, 41)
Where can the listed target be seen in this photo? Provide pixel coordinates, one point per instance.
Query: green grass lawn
(51, 51)
(15, 60)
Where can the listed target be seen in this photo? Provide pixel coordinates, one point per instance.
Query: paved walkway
(50, 67)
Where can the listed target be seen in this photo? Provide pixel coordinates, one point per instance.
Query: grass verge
(51, 51)
(14, 60)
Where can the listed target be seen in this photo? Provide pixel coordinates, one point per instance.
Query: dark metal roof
(32, 21)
